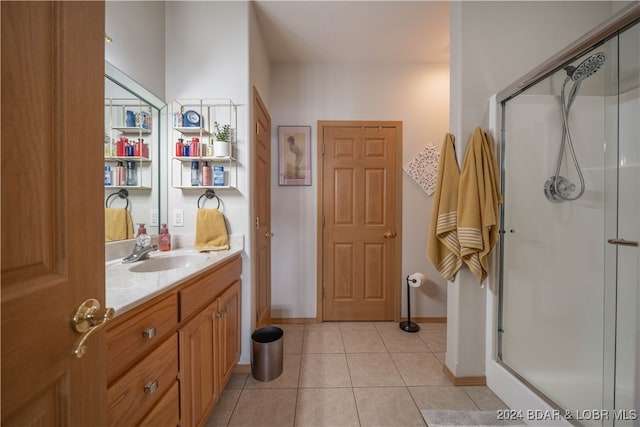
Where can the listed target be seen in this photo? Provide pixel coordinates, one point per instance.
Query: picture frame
(294, 155)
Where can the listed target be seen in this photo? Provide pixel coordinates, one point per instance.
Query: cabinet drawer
(203, 290)
(131, 337)
(166, 412)
(136, 392)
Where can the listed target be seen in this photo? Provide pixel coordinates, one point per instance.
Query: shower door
(622, 232)
(568, 321)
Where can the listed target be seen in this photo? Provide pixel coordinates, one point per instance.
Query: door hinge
(257, 128)
(257, 223)
(323, 148)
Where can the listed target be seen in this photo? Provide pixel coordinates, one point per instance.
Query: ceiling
(355, 31)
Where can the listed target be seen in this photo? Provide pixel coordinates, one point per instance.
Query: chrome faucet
(139, 253)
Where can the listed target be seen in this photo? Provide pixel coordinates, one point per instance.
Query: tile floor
(351, 374)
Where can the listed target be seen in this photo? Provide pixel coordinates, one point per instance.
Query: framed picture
(294, 155)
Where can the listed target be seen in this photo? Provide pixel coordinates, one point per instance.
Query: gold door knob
(389, 234)
(268, 235)
(87, 321)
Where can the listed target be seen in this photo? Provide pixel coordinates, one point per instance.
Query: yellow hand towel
(211, 231)
(443, 248)
(117, 224)
(478, 201)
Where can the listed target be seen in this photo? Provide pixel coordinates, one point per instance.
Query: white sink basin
(164, 263)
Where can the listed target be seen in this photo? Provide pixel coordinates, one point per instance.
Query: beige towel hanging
(478, 201)
(117, 224)
(443, 248)
(211, 231)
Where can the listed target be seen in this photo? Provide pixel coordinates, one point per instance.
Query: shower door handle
(622, 242)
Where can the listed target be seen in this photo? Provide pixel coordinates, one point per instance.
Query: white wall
(207, 56)
(302, 94)
(493, 44)
(137, 29)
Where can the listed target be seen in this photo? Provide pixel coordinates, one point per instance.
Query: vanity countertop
(126, 290)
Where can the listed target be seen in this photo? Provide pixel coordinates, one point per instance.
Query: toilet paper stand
(413, 280)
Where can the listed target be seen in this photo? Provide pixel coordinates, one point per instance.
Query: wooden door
(262, 211)
(52, 214)
(361, 200)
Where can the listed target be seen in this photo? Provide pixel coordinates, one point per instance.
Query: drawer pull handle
(151, 387)
(149, 333)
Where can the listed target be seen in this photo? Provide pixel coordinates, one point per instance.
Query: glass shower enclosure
(568, 323)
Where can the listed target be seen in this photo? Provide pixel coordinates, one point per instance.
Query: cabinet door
(199, 388)
(229, 323)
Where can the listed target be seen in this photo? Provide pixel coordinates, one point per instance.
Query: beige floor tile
(484, 398)
(287, 379)
(373, 369)
(330, 407)
(328, 341)
(399, 341)
(323, 326)
(442, 398)
(290, 326)
(358, 326)
(435, 339)
(429, 325)
(440, 357)
(387, 407)
(224, 408)
(269, 407)
(420, 369)
(237, 381)
(324, 370)
(292, 342)
(362, 341)
(379, 325)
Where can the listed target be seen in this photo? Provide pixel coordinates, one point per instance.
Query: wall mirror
(134, 123)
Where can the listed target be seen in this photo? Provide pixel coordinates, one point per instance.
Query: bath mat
(466, 418)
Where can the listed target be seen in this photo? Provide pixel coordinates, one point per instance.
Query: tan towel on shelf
(478, 201)
(211, 231)
(443, 248)
(117, 224)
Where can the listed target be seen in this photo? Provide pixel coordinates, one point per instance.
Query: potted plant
(222, 134)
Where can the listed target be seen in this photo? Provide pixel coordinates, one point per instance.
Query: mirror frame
(122, 80)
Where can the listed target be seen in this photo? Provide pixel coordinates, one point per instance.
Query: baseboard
(307, 320)
(289, 320)
(242, 369)
(463, 381)
(427, 319)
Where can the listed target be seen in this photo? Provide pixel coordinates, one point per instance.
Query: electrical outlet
(178, 218)
(153, 216)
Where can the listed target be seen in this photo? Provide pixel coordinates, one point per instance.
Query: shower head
(586, 67)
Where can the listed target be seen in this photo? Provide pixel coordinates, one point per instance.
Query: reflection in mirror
(132, 138)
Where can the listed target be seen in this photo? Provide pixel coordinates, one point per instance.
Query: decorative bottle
(164, 240)
(206, 174)
(142, 238)
(132, 179)
(195, 174)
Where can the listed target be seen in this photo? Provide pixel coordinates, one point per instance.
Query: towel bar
(123, 194)
(209, 194)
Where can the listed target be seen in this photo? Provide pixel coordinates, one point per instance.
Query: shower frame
(617, 23)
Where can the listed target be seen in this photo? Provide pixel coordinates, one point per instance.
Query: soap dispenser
(164, 240)
(142, 238)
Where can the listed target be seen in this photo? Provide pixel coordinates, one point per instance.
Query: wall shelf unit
(193, 125)
(130, 119)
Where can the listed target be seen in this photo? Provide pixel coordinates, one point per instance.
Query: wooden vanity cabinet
(169, 359)
(209, 344)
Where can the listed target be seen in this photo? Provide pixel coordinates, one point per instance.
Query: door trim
(397, 299)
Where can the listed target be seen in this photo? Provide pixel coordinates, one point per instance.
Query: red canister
(195, 147)
(179, 146)
(120, 147)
